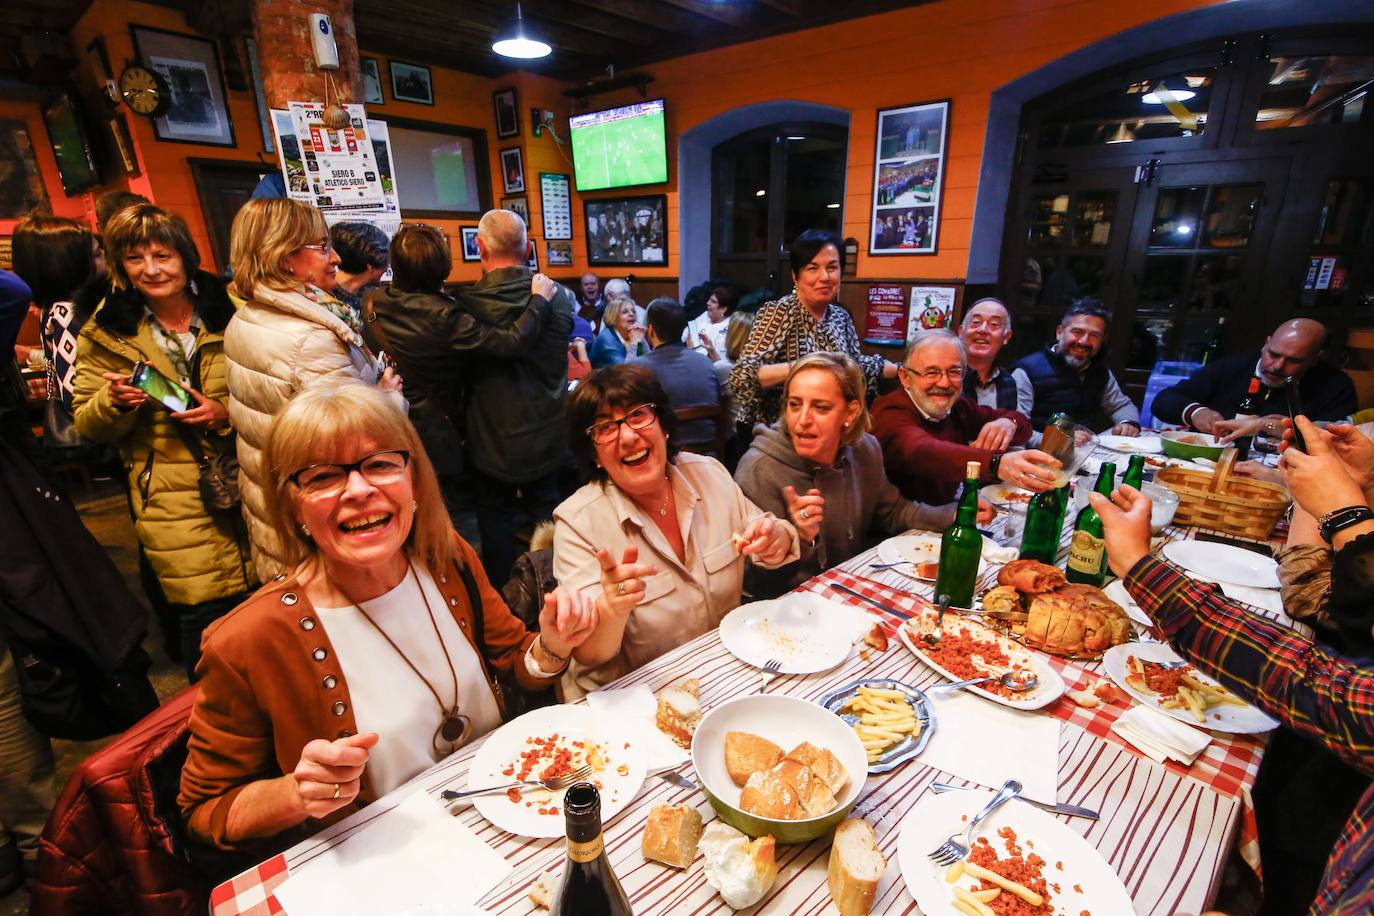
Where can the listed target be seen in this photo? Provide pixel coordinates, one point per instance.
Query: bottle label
(586, 852)
(1086, 552)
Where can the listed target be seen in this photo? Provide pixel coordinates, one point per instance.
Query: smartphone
(160, 388)
(1290, 390)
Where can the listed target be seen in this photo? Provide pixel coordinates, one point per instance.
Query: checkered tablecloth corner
(250, 893)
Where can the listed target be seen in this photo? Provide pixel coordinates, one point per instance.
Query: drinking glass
(1071, 444)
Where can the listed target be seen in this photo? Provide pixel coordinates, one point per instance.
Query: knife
(1070, 810)
(873, 601)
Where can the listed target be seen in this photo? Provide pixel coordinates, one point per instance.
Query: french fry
(988, 895)
(978, 906)
(965, 908)
(886, 719)
(1020, 890)
(955, 871)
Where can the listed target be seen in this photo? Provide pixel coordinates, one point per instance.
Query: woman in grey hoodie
(819, 466)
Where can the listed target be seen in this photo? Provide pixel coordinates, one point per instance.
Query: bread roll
(823, 763)
(1031, 576)
(679, 711)
(767, 794)
(746, 754)
(813, 794)
(856, 867)
(1076, 620)
(742, 871)
(671, 834)
(1002, 599)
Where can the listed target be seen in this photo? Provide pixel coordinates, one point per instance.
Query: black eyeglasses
(378, 469)
(639, 417)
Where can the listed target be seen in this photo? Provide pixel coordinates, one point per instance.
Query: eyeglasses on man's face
(604, 431)
(378, 469)
(954, 373)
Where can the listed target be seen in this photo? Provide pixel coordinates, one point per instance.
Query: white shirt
(715, 332)
(387, 697)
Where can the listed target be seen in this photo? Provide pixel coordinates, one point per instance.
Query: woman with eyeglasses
(375, 656)
(659, 538)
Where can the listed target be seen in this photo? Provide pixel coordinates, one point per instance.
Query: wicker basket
(1224, 502)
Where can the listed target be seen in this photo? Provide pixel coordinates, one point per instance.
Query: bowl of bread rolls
(779, 766)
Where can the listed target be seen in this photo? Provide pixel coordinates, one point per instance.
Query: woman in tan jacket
(375, 657)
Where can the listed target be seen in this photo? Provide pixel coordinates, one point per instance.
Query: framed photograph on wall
(908, 178)
(470, 243)
(627, 230)
(560, 254)
(518, 205)
(555, 199)
(411, 83)
(199, 109)
(372, 81)
(513, 170)
(533, 262)
(507, 113)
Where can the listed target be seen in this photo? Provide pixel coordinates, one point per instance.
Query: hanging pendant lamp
(515, 40)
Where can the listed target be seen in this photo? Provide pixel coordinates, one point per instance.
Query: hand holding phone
(124, 395)
(1290, 390)
(160, 388)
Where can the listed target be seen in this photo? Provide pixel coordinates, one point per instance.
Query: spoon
(933, 639)
(1016, 681)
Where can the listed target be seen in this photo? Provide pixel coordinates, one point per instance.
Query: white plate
(932, 819)
(1240, 720)
(1001, 494)
(503, 747)
(1117, 592)
(1224, 563)
(804, 631)
(1051, 685)
(918, 548)
(1145, 445)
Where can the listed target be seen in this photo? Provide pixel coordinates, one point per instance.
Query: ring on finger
(805, 514)
(336, 792)
(620, 589)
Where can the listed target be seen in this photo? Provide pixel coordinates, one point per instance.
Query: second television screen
(620, 147)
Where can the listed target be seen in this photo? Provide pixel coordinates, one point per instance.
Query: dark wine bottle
(1249, 409)
(588, 887)
(1088, 549)
(961, 547)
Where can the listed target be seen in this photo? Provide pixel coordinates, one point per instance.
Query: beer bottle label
(585, 852)
(1086, 552)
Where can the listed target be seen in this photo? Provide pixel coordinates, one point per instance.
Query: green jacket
(197, 557)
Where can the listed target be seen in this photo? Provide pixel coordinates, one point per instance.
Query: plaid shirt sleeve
(1312, 691)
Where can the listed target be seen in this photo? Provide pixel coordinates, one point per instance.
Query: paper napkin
(987, 743)
(1161, 737)
(634, 709)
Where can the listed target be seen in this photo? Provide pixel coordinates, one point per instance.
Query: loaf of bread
(742, 871)
(1076, 620)
(767, 794)
(679, 711)
(1003, 599)
(856, 867)
(813, 794)
(671, 834)
(1031, 577)
(746, 754)
(823, 763)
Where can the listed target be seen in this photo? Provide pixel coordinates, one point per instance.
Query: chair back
(714, 412)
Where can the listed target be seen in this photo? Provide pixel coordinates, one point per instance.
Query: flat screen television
(620, 147)
(75, 162)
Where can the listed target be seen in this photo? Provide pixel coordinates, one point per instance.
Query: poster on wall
(931, 307)
(555, 196)
(297, 176)
(340, 166)
(886, 321)
(908, 178)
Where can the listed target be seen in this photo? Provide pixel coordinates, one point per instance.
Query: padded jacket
(281, 342)
(197, 557)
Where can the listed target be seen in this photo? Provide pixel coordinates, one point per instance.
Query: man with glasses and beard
(1071, 375)
(929, 430)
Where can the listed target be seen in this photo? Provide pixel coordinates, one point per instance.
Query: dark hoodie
(513, 416)
(861, 504)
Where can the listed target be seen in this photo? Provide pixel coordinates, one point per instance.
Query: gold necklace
(453, 726)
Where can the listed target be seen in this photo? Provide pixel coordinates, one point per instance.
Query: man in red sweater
(928, 430)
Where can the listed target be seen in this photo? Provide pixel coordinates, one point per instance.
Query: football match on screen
(620, 147)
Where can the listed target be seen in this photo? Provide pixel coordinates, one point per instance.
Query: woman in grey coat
(819, 466)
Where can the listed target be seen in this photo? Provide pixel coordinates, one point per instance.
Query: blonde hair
(266, 231)
(848, 377)
(314, 427)
(147, 224)
(614, 309)
(737, 333)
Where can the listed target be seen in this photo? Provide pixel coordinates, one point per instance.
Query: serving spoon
(1016, 681)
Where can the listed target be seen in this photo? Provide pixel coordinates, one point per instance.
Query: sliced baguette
(767, 794)
(823, 763)
(671, 835)
(856, 867)
(813, 794)
(746, 754)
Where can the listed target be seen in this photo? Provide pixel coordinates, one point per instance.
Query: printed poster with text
(931, 307)
(339, 166)
(886, 316)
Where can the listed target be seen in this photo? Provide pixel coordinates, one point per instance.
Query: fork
(553, 784)
(953, 849)
(770, 671)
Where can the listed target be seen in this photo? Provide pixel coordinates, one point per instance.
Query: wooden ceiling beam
(609, 25)
(422, 20)
(665, 17)
(784, 6)
(721, 12)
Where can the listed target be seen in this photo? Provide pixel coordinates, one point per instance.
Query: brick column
(288, 67)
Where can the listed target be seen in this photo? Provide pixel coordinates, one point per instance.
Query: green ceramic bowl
(1180, 443)
(787, 722)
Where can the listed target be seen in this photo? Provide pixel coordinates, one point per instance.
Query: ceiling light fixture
(1178, 95)
(832, 206)
(1122, 134)
(760, 193)
(516, 41)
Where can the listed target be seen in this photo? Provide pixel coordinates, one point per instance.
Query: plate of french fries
(892, 720)
(1155, 675)
(1020, 855)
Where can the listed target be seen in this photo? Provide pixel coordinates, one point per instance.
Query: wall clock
(144, 90)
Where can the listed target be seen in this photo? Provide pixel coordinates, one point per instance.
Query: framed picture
(560, 254)
(21, 184)
(507, 113)
(908, 178)
(555, 197)
(627, 230)
(199, 109)
(411, 83)
(533, 262)
(372, 81)
(470, 243)
(123, 144)
(444, 170)
(520, 205)
(512, 170)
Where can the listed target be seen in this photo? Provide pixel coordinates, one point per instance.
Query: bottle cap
(973, 470)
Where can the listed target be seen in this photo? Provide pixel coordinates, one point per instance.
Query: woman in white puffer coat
(289, 334)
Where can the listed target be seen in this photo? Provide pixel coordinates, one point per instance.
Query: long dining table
(1166, 830)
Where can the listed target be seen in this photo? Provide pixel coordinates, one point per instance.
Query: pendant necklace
(453, 725)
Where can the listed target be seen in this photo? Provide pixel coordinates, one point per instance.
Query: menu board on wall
(555, 196)
(886, 321)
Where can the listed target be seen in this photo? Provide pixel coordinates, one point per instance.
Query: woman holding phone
(166, 313)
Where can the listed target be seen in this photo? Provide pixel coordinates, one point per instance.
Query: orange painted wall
(32, 115)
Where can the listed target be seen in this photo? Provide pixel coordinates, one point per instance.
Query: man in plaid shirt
(1317, 693)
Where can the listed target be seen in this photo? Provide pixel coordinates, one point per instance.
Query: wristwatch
(994, 465)
(1335, 521)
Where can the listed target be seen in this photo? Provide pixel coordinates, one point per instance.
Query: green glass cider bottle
(961, 547)
(1088, 549)
(1135, 471)
(1044, 525)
